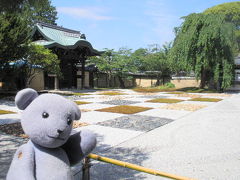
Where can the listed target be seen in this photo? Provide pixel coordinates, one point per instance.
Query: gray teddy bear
(47, 119)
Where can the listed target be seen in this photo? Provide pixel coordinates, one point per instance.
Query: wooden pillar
(56, 85)
(83, 72)
(73, 75)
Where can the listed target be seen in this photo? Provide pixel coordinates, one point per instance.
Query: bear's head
(47, 119)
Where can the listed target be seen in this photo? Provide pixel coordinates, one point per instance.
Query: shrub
(169, 85)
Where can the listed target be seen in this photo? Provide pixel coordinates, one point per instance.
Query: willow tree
(231, 12)
(204, 44)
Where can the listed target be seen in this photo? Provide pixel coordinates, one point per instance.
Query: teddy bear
(52, 149)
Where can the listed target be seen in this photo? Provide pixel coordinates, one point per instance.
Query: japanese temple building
(72, 49)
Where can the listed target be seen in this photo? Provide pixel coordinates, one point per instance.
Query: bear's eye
(45, 115)
(69, 120)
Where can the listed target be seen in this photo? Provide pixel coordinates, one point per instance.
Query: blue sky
(127, 23)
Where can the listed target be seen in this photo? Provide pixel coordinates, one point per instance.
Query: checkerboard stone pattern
(136, 122)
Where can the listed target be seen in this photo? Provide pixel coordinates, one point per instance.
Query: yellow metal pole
(136, 167)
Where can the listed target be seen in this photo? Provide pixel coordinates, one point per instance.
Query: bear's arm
(79, 145)
(23, 164)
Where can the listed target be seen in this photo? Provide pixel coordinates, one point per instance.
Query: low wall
(185, 82)
(38, 81)
(179, 82)
(143, 82)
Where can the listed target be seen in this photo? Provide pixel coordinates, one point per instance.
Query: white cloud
(92, 13)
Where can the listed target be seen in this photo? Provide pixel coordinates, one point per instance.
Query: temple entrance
(72, 49)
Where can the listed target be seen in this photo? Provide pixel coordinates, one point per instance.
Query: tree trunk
(203, 79)
(158, 80)
(163, 80)
(122, 85)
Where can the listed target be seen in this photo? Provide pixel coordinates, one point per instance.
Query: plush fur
(47, 120)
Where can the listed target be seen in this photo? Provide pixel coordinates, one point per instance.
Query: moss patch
(176, 92)
(148, 90)
(80, 94)
(197, 90)
(112, 93)
(124, 109)
(6, 112)
(205, 99)
(189, 95)
(81, 102)
(165, 100)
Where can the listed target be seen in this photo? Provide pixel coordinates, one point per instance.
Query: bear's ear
(76, 110)
(25, 97)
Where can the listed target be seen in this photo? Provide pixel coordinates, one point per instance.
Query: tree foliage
(231, 12)
(40, 11)
(16, 21)
(124, 63)
(13, 41)
(154, 61)
(40, 57)
(118, 63)
(105, 63)
(205, 45)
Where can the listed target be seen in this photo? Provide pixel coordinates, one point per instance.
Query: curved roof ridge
(58, 27)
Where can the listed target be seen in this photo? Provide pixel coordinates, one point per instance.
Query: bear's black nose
(59, 131)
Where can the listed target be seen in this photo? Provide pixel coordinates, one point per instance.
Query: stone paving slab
(108, 137)
(139, 99)
(94, 106)
(8, 146)
(165, 113)
(7, 102)
(10, 108)
(8, 119)
(94, 100)
(198, 103)
(94, 117)
(150, 105)
(153, 97)
(136, 122)
(120, 102)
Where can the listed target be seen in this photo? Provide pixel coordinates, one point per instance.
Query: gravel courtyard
(115, 128)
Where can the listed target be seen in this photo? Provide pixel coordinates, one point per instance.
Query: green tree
(116, 63)
(138, 57)
(14, 5)
(156, 62)
(105, 63)
(205, 45)
(231, 12)
(40, 11)
(39, 57)
(124, 65)
(13, 41)
(31, 10)
(16, 20)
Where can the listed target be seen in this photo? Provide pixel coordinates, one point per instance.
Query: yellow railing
(136, 167)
